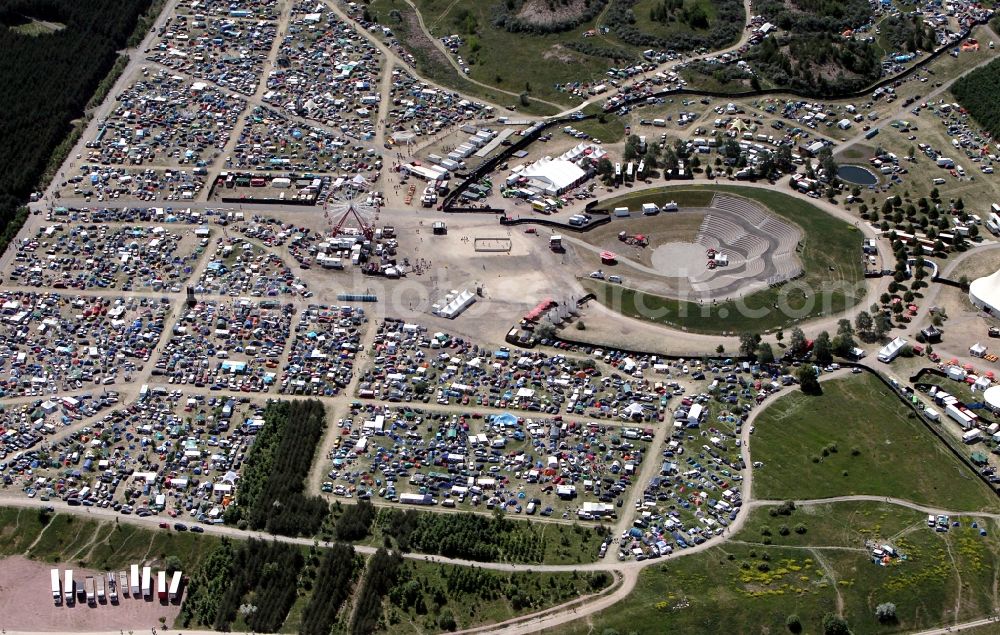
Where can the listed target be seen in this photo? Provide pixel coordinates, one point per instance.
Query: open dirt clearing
(26, 604)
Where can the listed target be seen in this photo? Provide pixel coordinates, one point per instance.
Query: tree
(844, 327)
(748, 343)
(885, 612)
(173, 563)
(835, 625)
(765, 353)
(808, 381)
(798, 341)
(843, 344)
(720, 349)
(863, 324)
(822, 348)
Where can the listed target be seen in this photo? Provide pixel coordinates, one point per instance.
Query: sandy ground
(26, 604)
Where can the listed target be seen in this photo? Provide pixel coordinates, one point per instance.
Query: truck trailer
(175, 586)
(112, 586)
(88, 585)
(56, 591)
(102, 594)
(69, 587)
(147, 582)
(161, 584)
(134, 579)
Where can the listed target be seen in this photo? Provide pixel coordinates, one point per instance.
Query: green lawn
(829, 251)
(846, 524)
(880, 450)
(18, 529)
(433, 65)
(642, 7)
(512, 62)
(752, 588)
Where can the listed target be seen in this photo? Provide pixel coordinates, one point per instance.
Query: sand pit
(679, 260)
(26, 603)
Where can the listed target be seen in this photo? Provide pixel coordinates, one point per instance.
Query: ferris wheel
(357, 209)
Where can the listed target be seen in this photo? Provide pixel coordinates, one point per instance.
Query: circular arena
(729, 248)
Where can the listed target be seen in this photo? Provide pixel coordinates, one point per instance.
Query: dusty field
(26, 604)
(546, 12)
(673, 227)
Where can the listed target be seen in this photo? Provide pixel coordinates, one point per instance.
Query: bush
(885, 613)
(783, 530)
(800, 529)
(793, 623)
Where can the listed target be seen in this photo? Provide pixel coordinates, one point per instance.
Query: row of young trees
(252, 578)
(379, 578)
(333, 585)
(977, 92)
(272, 495)
(355, 522)
(465, 535)
(47, 81)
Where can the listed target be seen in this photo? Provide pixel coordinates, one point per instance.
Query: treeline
(723, 30)
(505, 17)
(333, 585)
(255, 580)
(271, 494)
(977, 92)
(803, 62)
(47, 82)
(466, 536)
(380, 576)
(815, 16)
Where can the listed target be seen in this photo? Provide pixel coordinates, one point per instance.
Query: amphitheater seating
(754, 239)
(741, 207)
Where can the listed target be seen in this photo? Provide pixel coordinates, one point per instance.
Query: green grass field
(432, 64)
(829, 251)
(512, 62)
(744, 586)
(880, 450)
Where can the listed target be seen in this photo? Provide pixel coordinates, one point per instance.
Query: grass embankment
(829, 251)
(858, 439)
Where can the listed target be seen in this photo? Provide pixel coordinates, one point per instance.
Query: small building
(439, 228)
(977, 350)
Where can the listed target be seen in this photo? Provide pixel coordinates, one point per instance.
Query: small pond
(857, 175)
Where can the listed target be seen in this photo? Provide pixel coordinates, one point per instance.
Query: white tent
(985, 293)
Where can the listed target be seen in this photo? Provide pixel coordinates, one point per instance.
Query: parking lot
(238, 267)
(521, 465)
(327, 72)
(165, 452)
(229, 52)
(323, 349)
(106, 183)
(166, 119)
(57, 341)
(107, 257)
(235, 345)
